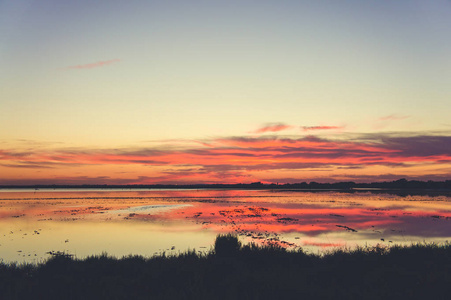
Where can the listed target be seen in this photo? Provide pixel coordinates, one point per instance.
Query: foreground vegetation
(235, 271)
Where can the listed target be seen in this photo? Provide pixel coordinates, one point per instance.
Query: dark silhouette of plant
(227, 245)
(235, 271)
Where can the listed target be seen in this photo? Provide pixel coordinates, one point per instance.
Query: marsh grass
(232, 270)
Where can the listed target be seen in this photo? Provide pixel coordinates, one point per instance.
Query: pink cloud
(273, 127)
(95, 64)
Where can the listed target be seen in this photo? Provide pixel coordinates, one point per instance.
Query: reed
(232, 270)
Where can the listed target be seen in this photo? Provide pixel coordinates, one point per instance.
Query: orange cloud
(241, 152)
(233, 159)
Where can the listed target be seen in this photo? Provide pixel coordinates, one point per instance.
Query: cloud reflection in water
(108, 220)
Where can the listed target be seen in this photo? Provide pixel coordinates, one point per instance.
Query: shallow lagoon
(34, 223)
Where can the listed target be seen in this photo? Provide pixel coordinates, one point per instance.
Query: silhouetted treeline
(234, 271)
(401, 184)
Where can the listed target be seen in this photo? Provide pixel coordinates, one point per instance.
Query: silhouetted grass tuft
(227, 245)
(235, 271)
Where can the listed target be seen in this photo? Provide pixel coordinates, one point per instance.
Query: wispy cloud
(393, 117)
(95, 64)
(273, 127)
(309, 128)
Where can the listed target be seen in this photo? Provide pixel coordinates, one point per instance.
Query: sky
(149, 92)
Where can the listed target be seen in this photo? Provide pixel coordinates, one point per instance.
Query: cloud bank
(237, 159)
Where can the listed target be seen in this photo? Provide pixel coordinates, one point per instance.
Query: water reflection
(33, 223)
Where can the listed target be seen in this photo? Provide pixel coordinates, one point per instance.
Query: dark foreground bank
(233, 271)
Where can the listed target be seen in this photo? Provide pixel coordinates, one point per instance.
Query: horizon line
(348, 184)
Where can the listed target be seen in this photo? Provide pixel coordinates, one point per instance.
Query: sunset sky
(147, 92)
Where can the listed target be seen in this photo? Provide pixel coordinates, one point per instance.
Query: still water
(147, 222)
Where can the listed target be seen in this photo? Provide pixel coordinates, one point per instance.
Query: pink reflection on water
(262, 218)
(290, 219)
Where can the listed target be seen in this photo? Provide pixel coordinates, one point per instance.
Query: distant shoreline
(401, 184)
(400, 187)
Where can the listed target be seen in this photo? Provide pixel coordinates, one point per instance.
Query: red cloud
(94, 65)
(273, 127)
(234, 159)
